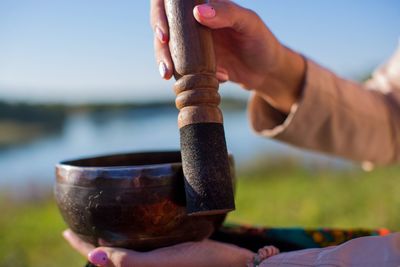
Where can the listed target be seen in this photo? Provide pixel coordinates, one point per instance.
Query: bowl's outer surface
(134, 201)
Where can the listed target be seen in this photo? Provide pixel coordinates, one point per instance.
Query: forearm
(336, 116)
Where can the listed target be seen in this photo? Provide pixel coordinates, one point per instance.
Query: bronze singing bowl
(135, 201)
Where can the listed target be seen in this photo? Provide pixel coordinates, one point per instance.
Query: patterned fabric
(289, 239)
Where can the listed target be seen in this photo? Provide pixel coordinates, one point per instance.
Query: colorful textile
(289, 239)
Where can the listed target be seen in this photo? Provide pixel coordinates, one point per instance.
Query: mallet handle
(193, 55)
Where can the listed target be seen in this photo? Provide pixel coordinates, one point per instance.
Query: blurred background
(78, 78)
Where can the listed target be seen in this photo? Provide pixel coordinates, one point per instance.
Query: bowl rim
(72, 164)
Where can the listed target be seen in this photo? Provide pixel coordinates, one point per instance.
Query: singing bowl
(134, 201)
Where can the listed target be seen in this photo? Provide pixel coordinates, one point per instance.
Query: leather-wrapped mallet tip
(208, 180)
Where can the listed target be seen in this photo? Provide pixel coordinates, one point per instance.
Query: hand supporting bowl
(135, 201)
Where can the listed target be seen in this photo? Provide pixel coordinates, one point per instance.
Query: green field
(283, 194)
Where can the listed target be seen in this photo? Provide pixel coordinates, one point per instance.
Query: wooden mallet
(208, 182)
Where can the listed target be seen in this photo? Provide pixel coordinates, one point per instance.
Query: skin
(249, 54)
(206, 253)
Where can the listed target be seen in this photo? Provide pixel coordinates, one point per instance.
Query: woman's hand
(246, 51)
(206, 253)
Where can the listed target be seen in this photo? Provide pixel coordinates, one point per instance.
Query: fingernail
(66, 234)
(206, 11)
(222, 76)
(162, 68)
(98, 258)
(160, 35)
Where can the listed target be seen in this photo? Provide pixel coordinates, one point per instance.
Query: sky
(101, 50)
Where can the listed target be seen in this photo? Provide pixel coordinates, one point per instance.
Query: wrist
(244, 256)
(283, 85)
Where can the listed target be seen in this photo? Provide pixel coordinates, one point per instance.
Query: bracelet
(256, 260)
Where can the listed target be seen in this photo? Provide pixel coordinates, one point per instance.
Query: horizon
(87, 51)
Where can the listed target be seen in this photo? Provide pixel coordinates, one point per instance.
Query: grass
(290, 196)
(283, 194)
(30, 235)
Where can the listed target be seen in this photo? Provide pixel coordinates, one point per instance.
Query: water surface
(86, 134)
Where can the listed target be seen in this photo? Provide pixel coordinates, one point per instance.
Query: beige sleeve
(369, 251)
(339, 117)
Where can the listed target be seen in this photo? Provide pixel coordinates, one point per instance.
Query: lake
(87, 134)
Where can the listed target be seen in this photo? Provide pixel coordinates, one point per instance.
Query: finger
(161, 37)
(112, 257)
(76, 243)
(222, 75)
(263, 254)
(163, 58)
(226, 14)
(158, 20)
(272, 250)
(118, 257)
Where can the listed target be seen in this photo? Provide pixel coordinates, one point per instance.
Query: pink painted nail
(98, 258)
(160, 35)
(206, 11)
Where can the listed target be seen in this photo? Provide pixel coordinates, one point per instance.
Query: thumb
(226, 14)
